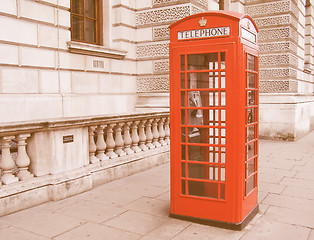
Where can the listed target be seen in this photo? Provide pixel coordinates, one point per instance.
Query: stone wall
(45, 75)
(286, 77)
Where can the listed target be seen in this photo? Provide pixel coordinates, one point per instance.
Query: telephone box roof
(222, 13)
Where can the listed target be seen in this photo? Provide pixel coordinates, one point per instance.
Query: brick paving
(137, 207)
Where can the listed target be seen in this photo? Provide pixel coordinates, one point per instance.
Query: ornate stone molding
(278, 33)
(273, 21)
(278, 59)
(268, 8)
(161, 33)
(277, 73)
(161, 66)
(277, 47)
(153, 50)
(162, 15)
(203, 3)
(153, 84)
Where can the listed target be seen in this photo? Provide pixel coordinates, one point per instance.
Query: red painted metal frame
(237, 204)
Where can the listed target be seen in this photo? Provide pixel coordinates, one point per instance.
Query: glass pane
(195, 117)
(77, 28)
(182, 62)
(197, 135)
(203, 117)
(223, 99)
(201, 171)
(203, 80)
(182, 80)
(223, 157)
(207, 61)
(183, 116)
(251, 80)
(250, 150)
(183, 152)
(222, 173)
(251, 115)
(182, 99)
(183, 137)
(203, 189)
(197, 171)
(250, 184)
(250, 167)
(198, 153)
(250, 133)
(183, 170)
(222, 191)
(78, 6)
(223, 117)
(251, 98)
(90, 31)
(183, 186)
(223, 79)
(251, 62)
(222, 60)
(90, 8)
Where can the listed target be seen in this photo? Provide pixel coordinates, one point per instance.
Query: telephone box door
(204, 171)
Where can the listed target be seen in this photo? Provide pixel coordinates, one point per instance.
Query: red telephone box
(214, 118)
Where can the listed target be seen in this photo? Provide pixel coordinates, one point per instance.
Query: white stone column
(100, 143)
(118, 140)
(161, 131)
(142, 135)
(6, 162)
(110, 142)
(167, 130)
(149, 134)
(22, 160)
(135, 137)
(92, 145)
(127, 139)
(156, 133)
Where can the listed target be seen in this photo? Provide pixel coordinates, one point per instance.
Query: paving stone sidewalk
(137, 207)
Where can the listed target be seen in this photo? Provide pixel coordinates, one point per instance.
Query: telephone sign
(214, 118)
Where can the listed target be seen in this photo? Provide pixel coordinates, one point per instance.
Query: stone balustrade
(118, 139)
(63, 157)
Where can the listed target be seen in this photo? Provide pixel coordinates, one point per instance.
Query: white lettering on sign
(204, 33)
(248, 35)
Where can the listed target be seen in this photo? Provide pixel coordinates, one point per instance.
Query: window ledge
(95, 50)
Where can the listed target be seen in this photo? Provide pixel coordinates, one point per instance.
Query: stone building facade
(45, 74)
(84, 89)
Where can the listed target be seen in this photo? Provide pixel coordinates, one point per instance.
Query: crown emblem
(202, 22)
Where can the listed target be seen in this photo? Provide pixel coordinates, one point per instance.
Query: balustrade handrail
(13, 128)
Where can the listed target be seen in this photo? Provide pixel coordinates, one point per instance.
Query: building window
(85, 21)
(221, 5)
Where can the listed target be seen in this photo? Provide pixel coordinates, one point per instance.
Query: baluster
(7, 163)
(161, 131)
(149, 134)
(92, 145)
(22, 160)
(135, 137)
(101, 144)
(127, 139)
(110, 142)
(155, 133)
(142, 136)
(167, 131)
(118, 140)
